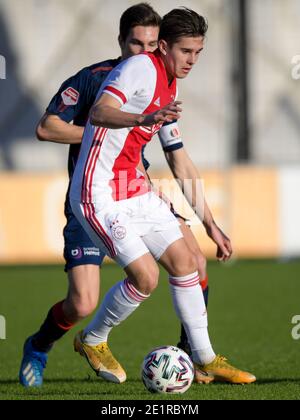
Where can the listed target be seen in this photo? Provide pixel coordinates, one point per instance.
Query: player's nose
(192, 59)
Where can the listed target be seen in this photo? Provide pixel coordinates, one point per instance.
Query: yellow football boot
(222, 371)
(100, 359)
(201, 377)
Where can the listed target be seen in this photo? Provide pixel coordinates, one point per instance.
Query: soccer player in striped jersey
(127, 221)
(139, 28)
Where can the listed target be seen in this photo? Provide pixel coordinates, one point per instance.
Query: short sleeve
(131, 77)
(71, 98)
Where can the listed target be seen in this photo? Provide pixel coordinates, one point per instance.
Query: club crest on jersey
(70, 96)
(151, 130)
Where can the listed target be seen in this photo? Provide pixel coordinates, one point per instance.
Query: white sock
(119, 302)
(190, 308)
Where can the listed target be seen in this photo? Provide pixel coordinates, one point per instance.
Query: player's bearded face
(139, 39)
(182, 56)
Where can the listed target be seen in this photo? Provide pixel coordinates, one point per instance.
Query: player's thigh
(194, 247)
(110, 229)
(79, 249)
(84, 283)
(178, 259)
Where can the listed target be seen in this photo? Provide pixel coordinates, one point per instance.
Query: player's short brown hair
(141, 14)
(182, 22)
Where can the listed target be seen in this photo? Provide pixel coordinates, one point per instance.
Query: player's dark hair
(141, 14)
(182, 22)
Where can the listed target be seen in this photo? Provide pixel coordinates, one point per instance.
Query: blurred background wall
(241, 120)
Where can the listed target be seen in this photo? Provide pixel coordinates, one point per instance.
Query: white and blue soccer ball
(167, 369)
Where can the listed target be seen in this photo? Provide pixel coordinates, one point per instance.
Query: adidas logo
(157, 102)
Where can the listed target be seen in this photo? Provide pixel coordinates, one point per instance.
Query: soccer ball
(167, 369)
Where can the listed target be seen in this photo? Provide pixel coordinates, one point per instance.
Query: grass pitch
(250, 311)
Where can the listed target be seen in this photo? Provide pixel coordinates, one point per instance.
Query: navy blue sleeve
(145, 161)
(73, 97)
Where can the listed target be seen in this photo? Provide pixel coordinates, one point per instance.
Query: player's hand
(169, 113)
(224, 248)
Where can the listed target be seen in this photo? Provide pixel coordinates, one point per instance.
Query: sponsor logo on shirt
(151, 130)
(157, 102)
(70, 97)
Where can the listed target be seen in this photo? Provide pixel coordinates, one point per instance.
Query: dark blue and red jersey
(75, 98)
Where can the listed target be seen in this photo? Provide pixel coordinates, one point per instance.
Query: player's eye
(136, 42)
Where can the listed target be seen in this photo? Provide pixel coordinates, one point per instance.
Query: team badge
(70, 96)
(119, 232)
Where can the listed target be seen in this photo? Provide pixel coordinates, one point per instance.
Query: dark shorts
(79, 249)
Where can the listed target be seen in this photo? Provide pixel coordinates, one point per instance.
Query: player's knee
(201, 264)
(84, 306)
(184, 265)
(147, 281)
(150, 282)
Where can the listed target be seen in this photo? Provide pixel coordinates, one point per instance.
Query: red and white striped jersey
(108, 160)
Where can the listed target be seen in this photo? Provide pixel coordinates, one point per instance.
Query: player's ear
(121, 42)
(162, 45)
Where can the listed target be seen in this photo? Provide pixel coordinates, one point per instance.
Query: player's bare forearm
(113, 118)
(107, 113)
(186, 174)
(52, 128)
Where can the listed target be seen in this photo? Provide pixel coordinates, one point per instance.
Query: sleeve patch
(70, 96)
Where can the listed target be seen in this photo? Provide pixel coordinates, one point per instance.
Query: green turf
(250, 311)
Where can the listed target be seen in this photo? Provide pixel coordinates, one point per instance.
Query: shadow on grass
(51, 388)
(72, 380)
(271, 381)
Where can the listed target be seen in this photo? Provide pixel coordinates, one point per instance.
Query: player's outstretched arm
(107, 113)
(187, 175)
(52, 128)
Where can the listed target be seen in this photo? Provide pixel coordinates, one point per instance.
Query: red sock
(204, 283)
(59, 317)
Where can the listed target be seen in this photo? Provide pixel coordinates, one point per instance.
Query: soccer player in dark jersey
(139, 27)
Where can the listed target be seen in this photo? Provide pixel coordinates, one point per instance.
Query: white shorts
(127, 229)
